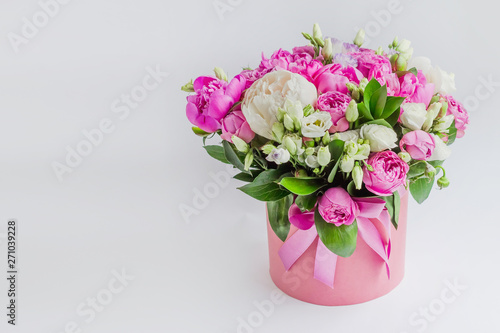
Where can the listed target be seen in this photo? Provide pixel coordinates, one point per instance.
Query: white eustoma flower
(380, 137)
(316, 125)
(352, 135)
(269, 93)
(414, 115)
(312, 161)
(432, 113)
(444, 83)
(441, 151)
(279, 155)
(443, 123)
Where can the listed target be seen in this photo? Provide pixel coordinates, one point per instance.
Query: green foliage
(302, 185)
(265, 186)
(340, 240)
(217, 152)
(277, 212)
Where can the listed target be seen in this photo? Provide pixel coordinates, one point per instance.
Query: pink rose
(306, 66)
(372, 65)
(212, 100)
(392, 83)
(334, 77)
(236, 124)
(308, 49)
(279, 60)
(336, 104)
(416, 89)
(336, 206)
(460, 114)
(389, 173)
(419, 144)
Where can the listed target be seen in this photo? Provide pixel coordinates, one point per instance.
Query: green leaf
(393, 103)
(265, 186)
(246, 177)
(414, 71)
(436, 163)
(392, 204)
(306, 202)
(217, 152)
(379, 122)
(232, 157)
(277, 212)
(397, 208)
(340, 240)
(416, 170)
(393, 118)
(452, 133)
(421, 188)
(336, 148)
(302, 185)
(364, 112)
(377, 102)
(370, 89)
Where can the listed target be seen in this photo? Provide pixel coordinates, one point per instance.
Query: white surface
(120, 207)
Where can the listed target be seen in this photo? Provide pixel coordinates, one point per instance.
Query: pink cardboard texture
(359, 278)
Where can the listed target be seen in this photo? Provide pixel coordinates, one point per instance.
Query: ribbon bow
(374, 227)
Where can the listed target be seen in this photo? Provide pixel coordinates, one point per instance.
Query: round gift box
(358, 278)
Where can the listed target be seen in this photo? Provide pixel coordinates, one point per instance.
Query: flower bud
(326, 139)
(300, 173)
(443, 182)
(395, 42)
(357, 176)
(351, 148)
(290, 145)
(324, 156)
(317, 35)
(289, 124)
(363, 152)
(310, 143)
(188, 87)
(380, 51)
(241, 145)
(352, 114)
(401, 63)
(308, 110)
(267, 148)
(312, 161)
(404, 156)
(327, 50)
(278, 131)
(309, 151)
(346, 164)
(335, 136)
(360, 38)
(280, 115)
(219, 73)
(248, 160)
(362, 84)
(430, 171)
(431, 114)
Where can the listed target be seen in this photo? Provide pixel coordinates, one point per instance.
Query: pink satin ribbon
(374, 227)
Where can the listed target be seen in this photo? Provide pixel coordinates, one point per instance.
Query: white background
(119, 209)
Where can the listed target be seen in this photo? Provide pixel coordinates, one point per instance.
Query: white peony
(444, 83)
(441, 151)
(414, 115)
(316, 124)
(278, 155)
(269, 93)
(380, 137)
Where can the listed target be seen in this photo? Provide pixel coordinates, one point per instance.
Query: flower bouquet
(333, 136)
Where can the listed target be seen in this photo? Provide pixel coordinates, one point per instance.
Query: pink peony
(336, 104)
(416, 89)
(389, 173)
(460, 114)
(337, 207)
(330, 78)
(212, 100)
(372, 65)
(236, 124)
(419, 144)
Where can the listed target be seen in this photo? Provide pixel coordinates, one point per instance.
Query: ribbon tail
(325, 265)
(296, 245)
(369, 233)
